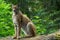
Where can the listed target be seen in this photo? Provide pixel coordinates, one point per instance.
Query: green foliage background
(45, 14)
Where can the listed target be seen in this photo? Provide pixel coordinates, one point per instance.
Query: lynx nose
(14, 10)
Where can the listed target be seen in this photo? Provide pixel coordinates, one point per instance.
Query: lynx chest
(16, 19)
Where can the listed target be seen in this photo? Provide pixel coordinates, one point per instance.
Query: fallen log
(53, 36)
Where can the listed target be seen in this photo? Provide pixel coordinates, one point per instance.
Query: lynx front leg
(18, 31)
(15, 29)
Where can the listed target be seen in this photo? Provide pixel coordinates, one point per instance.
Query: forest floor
(53, 36)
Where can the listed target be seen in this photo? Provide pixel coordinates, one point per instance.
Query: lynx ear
(15, 6)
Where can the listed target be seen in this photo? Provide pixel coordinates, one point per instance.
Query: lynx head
(15, 8)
